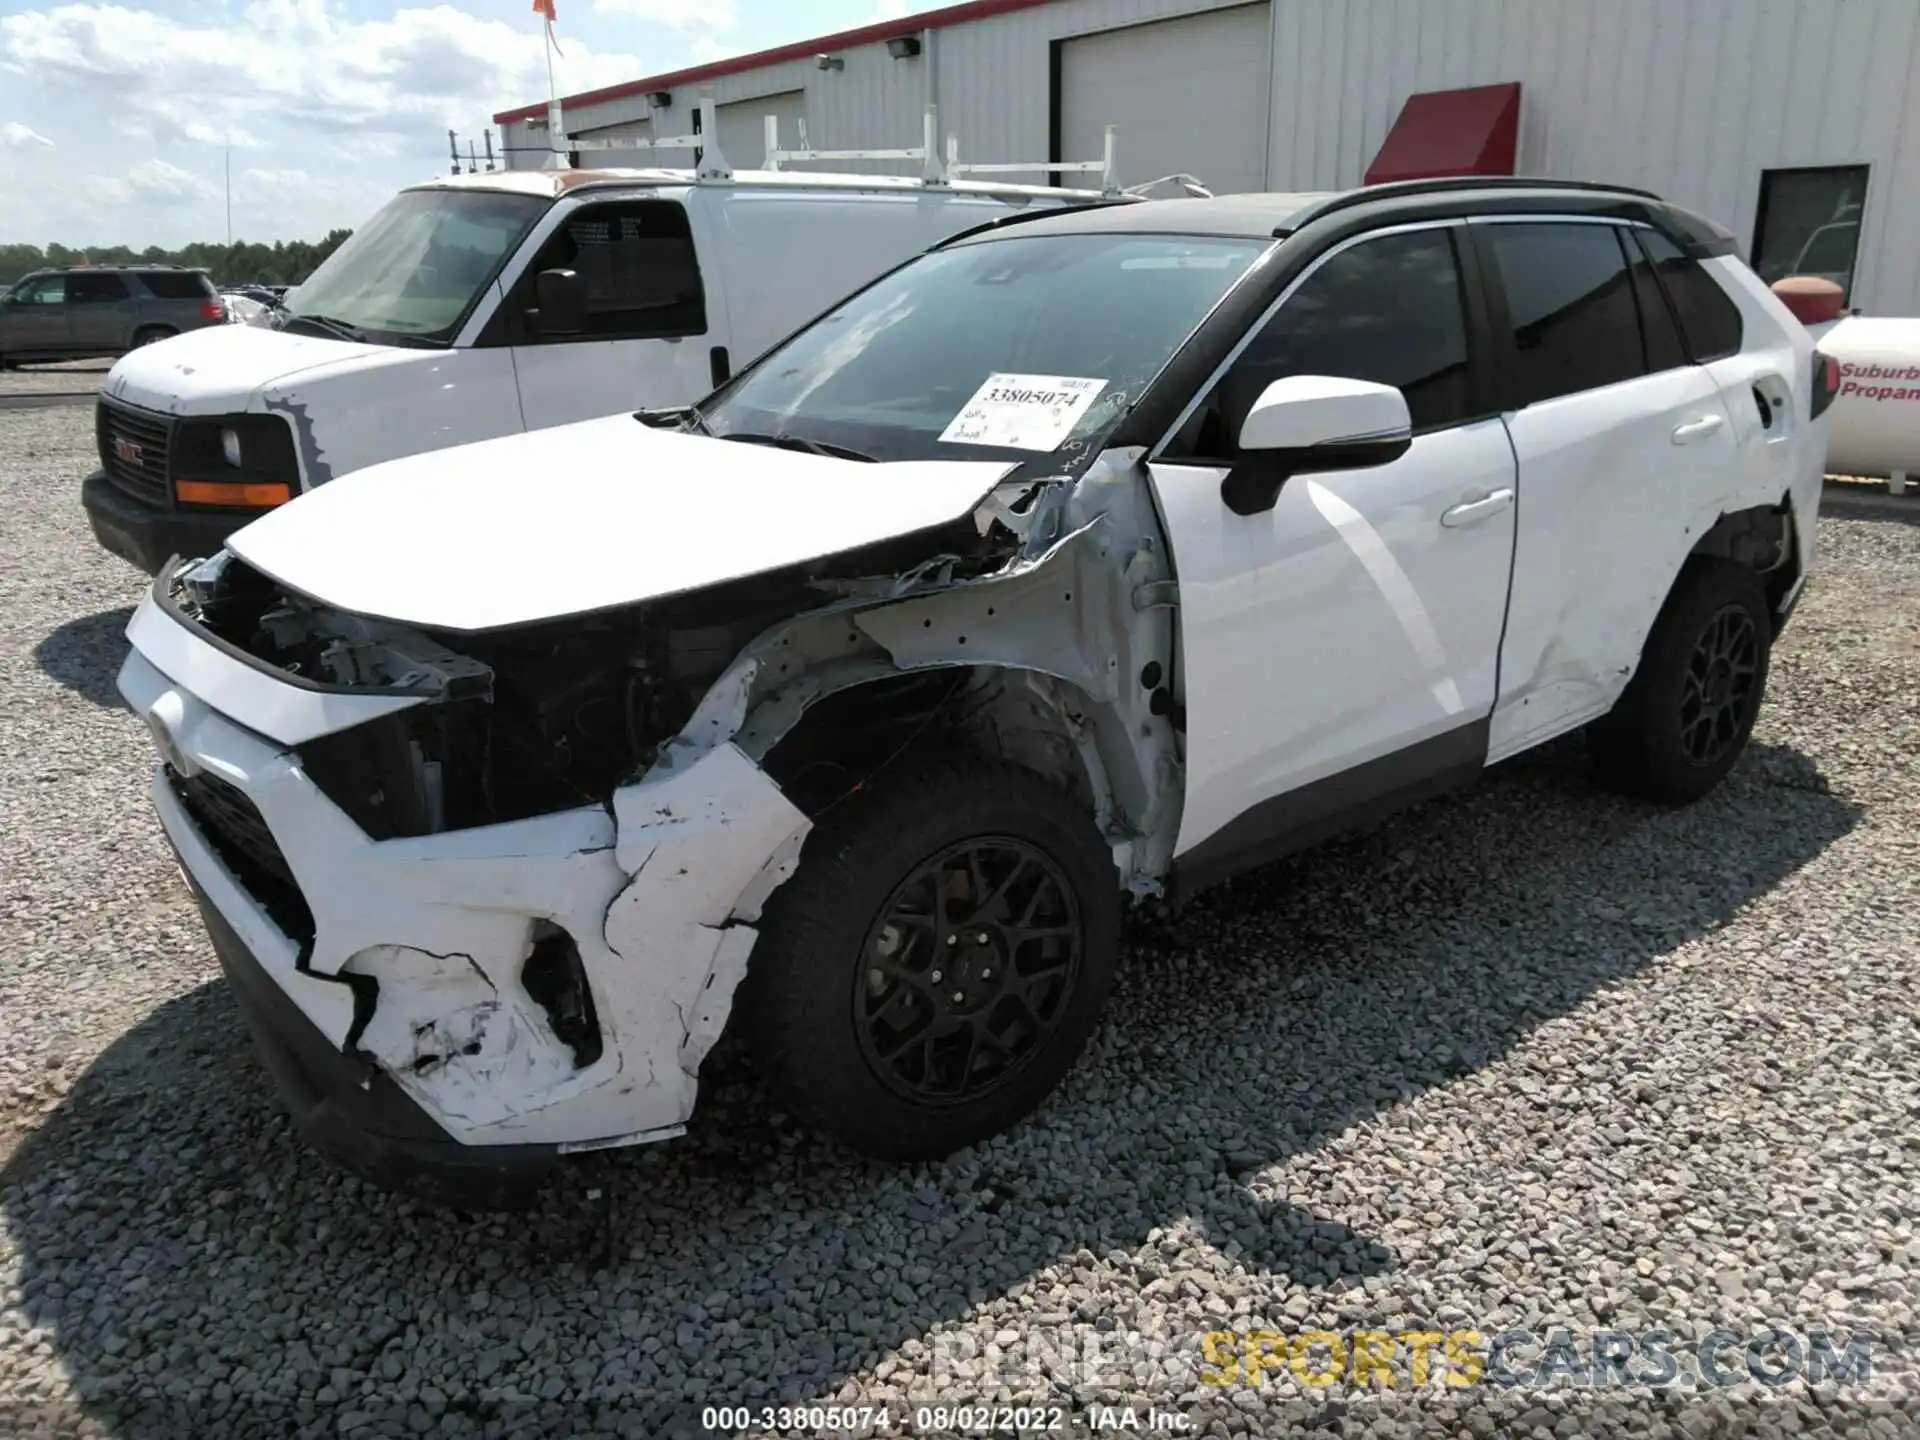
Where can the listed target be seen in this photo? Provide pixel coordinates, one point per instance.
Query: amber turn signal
(240, 494)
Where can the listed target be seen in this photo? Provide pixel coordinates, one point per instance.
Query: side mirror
(1313, 423)
(562, 308)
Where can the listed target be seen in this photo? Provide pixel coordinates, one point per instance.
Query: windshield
(1021, 348)
(415, 269)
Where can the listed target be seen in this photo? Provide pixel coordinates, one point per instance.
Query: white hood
(214, 370)
(587, 517)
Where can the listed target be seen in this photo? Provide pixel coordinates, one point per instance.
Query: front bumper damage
(392, 998)
(398, 980)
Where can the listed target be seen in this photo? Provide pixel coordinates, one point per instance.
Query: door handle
(1691, 430)
(1469, 512)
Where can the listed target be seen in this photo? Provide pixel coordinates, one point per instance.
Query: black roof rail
(1399, 189)
(1037, 212)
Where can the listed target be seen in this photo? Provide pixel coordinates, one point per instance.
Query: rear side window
(82, 289)
(637, 263)
(177, 284)
(1388, 310)
(1709, 320)
(1659, 332)
(1570, 300)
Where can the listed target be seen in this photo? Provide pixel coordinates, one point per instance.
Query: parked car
(1101, 555)
(487, 304)
(267, 295)
(97, 311)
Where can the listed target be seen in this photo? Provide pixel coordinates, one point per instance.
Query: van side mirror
(1306, 424)
(562, 307)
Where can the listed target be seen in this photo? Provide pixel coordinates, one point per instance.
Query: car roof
(1271, 216)
(1224, 215)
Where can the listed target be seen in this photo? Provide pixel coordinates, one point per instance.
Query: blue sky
(119, 122)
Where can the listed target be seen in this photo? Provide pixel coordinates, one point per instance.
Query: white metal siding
(994, 77)
(1690, 98)
(591, 155)
(1693, 99)
(742, 127)
(1186, 95)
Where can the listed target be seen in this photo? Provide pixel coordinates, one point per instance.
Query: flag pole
(556, 131)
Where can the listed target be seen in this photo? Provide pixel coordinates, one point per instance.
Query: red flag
(545, 7)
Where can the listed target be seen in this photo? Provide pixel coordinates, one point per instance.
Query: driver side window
(636, 261)
(50, 290)
(1388, 309)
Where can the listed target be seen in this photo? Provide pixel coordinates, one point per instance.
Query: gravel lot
(1530, 1057)
(69, 377)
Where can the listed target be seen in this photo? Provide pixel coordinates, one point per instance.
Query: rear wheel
(152, 334)
(1684, 719)
(938, 961)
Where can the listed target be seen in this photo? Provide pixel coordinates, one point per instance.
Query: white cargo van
(482, 305)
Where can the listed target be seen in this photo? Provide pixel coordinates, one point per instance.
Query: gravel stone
(1532, 1056)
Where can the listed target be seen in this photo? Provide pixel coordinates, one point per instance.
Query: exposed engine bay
(537, 719)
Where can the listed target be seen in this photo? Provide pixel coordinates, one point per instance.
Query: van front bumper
(147, 535)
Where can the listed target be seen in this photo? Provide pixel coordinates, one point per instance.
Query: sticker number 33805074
(1023, 412)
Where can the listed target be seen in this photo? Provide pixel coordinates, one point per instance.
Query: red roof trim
(1474, 131)
(799, 50)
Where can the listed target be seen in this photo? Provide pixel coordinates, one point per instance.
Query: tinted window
(1659, 333)
(890, 371)
(1387, 310)
(1808, 223)
(637, 263)
(177, 284)
(84, 288)
(1570, 299)
(1709, 320)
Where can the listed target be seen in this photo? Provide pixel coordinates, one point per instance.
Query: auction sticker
(1022, 412)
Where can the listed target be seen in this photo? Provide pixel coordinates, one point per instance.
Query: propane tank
(1874, 422)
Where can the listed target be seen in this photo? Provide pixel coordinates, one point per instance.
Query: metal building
(1795, 123)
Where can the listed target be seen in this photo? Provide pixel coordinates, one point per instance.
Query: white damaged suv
(1094, 556)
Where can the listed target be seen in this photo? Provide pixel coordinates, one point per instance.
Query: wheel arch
(853, 731)
(1766, 540)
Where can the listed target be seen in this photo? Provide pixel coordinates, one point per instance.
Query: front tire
(1684, 719)
(936, 964)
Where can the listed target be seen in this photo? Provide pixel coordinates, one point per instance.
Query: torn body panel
(557, 978)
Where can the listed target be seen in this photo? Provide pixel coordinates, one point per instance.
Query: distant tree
(285, 262)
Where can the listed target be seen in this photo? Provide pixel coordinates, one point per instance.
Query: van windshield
(1029, 348)
(414, 271)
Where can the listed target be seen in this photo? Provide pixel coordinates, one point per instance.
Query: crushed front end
(485, 896)
(457, 962)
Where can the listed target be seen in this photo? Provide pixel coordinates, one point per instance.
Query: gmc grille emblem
(126, 450)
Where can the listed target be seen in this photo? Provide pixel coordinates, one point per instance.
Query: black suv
(92, 311)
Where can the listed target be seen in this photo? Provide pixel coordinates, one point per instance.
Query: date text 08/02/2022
(942, 1419)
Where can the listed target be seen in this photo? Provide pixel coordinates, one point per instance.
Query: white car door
(651, 309)
(1339, 651)
(1621, 441)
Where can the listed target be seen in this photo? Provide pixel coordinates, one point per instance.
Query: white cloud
(152, 182)
(893, 9)
(326, 113)
(674, 14)
(292, 64)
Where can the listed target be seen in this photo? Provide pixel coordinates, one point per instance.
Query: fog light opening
(555, 978)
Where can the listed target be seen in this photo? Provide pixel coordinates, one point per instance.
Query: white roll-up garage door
(743, 126)
(592, 156)
(1186, 95)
